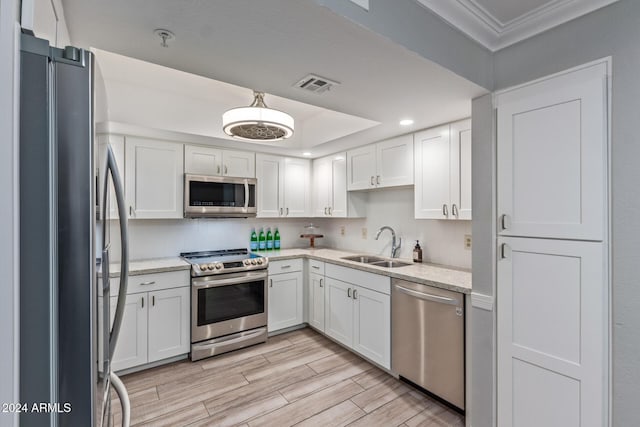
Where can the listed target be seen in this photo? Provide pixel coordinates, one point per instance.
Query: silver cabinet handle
(505, 251)
(287, 214)
(445, 210)
(153, 300)
(349, 292)
(280, 211)
(271, 283)
(378, 179)
(321, 282)
(142, 299)
(151, 282)
(355, 294)
(454, 210)
(218, 169)
(285, 266)
(226, 170)
(325, 211)
(372, 183)
(317, 267)
(505, 221)
(330, 210)
(130, 210)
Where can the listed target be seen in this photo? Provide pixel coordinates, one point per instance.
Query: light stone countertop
(440, 276)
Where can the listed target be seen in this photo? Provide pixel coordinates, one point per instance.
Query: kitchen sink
(365, 259)
(390, 264)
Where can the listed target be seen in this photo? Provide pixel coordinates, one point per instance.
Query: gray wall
(611, 31)
(409, 24)
(8, 210)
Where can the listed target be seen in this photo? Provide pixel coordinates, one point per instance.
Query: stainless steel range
(228, 300)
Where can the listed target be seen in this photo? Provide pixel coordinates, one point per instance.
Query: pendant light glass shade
(257, 122)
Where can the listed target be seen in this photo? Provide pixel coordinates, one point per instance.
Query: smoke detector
(316, 84)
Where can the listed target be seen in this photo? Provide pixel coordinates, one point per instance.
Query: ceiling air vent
(316, 84)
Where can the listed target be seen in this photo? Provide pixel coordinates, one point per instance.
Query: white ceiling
(500, 23)
(268, 45)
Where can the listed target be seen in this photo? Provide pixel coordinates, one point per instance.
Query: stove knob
(259, 261)
(218, 266)
(211, 266)
(203, 267)
(246, 262)
(253, 262)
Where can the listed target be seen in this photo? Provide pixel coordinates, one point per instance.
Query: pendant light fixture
(257, 122)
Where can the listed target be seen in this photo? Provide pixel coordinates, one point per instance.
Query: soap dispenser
(417, 252)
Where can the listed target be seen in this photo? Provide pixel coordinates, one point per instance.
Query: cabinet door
(432, 163)
(316, 301)
(461, 170)
(394, 160)
(372, 325)
(296, 188)
(239, 163)
(202, 160)
(117, 144)
(131, 348)
(361, 168)
(169, 323)
(552, 157)
(339, 186)
(321, 186)
(269, 177)
(338, 311)
(285, 301)
(552, 322)
(155, 182)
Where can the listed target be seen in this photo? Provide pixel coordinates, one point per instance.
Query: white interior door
(552, 299)
(552, 156)
(432, 166)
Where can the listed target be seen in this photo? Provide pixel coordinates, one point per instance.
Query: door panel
(551, 333)
(240, 164)
(169, 326)
(316, 308)
(552, 154)
(394, 159)
(433, 161)
(268, 187)
(131, 348)
(321, 187)
(372, 326)
(338, 309)
(296, 187)
(461, 168)
(202, 160)
(339, 186)
(285, 301)
(361, 168)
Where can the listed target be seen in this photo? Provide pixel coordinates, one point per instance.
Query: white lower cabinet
(357, 315)
(285, 303)
(316, 300)
(155, 326)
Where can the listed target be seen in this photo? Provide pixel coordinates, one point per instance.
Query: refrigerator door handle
(124, 399)
(112, 168)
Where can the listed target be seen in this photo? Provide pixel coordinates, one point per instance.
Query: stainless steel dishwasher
(427, 338)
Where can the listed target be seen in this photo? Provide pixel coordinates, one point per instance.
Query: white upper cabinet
(443, 172)
(283, 186)
(154, 184)
(552, 147)
(214, 161)
(385, 164)
(330, 196)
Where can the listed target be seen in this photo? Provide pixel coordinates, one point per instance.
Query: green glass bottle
(269, 240)
(262, 241)
(276, 239)
(253, 245)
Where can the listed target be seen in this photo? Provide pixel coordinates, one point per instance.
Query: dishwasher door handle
(428, 297)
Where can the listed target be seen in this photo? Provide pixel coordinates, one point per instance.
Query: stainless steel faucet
(394, 247)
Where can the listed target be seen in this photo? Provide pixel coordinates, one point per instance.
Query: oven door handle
(222, 341)
(210, 282)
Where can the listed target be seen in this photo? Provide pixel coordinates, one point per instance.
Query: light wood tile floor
(299, 378)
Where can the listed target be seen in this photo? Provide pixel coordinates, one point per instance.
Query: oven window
(222, 303)
(216, 194)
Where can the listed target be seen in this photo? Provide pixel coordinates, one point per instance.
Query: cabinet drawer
(316, 267)
(372, 281)
(285, 266)
(151, 282)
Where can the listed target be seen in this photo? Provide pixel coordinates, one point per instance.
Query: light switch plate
(342, 230)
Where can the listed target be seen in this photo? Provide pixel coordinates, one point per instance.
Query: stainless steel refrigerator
(62, 209)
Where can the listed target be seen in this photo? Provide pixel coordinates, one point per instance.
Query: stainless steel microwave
(219, 196)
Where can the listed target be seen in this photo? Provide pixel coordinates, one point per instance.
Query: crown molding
(476, 22)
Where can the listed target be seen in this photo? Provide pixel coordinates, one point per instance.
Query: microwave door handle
(112, 168)
(246, 195)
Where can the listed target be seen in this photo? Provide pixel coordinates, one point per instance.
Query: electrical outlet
(342, 231)
(364, 232)
(467, 241)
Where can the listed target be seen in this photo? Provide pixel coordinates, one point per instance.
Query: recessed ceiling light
(306, 153)
(406, 122)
